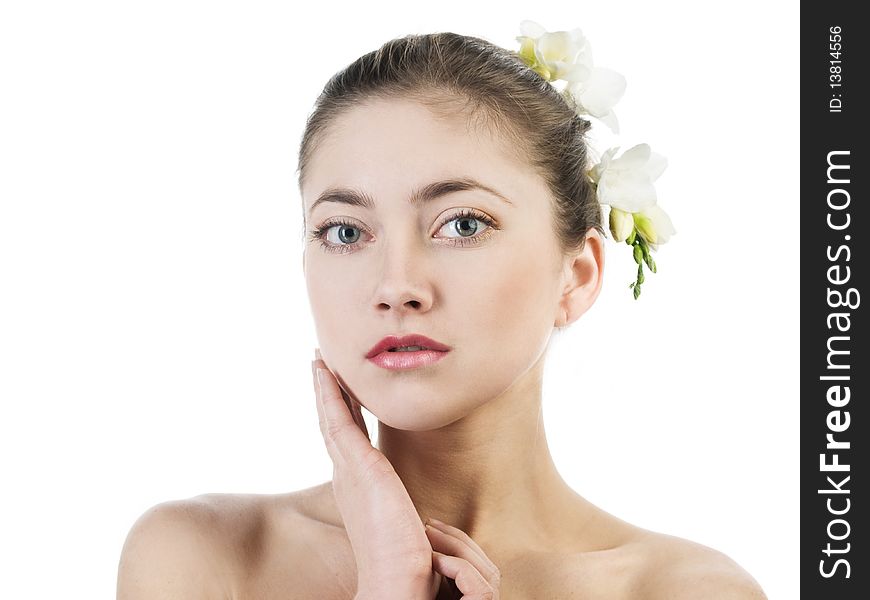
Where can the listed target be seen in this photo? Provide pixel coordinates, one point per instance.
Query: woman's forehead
(404, 141)
(401, 129)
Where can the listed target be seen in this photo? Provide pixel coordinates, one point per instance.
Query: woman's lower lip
(407, 360)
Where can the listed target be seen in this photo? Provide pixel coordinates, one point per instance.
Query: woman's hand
(469, 573)
(393, 556)
(396, 556)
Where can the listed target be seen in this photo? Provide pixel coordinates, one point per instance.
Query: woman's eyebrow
(420, 196)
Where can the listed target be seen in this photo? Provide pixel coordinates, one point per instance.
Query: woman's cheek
(524, 301)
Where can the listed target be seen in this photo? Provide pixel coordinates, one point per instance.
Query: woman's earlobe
(585, 279)
(562, 319)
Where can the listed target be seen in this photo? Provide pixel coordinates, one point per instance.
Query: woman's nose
(404, 284)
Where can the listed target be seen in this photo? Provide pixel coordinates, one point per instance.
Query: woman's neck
(489, 473)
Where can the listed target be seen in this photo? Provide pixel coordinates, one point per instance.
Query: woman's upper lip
(412, 339)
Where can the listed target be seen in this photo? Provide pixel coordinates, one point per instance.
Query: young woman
(451, 230)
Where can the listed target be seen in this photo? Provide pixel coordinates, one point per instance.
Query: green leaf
(636, 291)
(639, 274)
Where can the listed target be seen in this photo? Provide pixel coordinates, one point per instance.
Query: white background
(155, 335)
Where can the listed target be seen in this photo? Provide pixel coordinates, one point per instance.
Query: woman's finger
(356, 409)
(352, 404)
(447, 544)
(468, 579)
(474, 554)
(344, 440)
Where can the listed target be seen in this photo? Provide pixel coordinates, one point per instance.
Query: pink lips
(432, 352)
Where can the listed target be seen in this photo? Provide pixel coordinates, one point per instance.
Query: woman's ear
(583, 275)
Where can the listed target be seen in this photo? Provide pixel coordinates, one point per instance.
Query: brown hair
(446, 71)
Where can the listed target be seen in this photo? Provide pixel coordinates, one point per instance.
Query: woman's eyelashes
(464, 228)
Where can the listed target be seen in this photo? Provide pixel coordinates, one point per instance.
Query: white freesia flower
(555, 55)
(654, 225)
(626, 182)
(567, 55)
(598, 93)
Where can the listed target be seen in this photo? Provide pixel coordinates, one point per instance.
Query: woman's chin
(412, 416)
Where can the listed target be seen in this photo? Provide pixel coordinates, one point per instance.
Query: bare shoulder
(221, 546)
(676, 569)
(174, 550)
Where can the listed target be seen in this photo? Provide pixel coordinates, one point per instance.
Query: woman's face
(432, 267)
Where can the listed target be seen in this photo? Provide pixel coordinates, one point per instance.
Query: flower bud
(621, 224)
(648, 259)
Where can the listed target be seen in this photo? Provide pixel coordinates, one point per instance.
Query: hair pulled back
(455, 74)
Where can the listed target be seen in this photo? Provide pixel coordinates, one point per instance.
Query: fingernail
(320, 376)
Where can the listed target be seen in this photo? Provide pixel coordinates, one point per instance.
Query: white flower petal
(610, 154)
(655, 166)
(578, 37)
(610, 120)
(584, 57)
(587, 53)
(662, 224)
(601, 91)
(556, 46)
(556, 54)
(603, 164)
(531, 29)
(595, 173)
(569, 91)
(635, 157)
(630, 191)
(575, 73)
(559, 68)
(569, 97)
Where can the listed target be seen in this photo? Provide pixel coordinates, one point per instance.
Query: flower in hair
(625, 183)
(597, 95)
(654, 225)
(567, 55)
(555, 55)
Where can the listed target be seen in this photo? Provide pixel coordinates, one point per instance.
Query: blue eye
(466, 225)
(347, 234)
